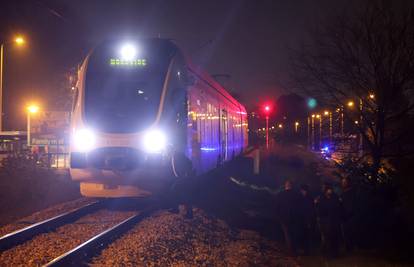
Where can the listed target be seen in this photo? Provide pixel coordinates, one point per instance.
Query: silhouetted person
(309, 218)
(288, 211)
(183, 186)
(329, 212)
(349, 203)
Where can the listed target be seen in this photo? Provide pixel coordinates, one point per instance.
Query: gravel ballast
(45, 214)
(166, 239)
(45, 247)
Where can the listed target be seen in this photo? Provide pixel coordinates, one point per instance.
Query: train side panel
(215, 126)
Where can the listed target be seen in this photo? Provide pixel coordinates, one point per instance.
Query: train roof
(208, 79)
(217, 86)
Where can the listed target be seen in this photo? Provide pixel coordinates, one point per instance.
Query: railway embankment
(27, 188)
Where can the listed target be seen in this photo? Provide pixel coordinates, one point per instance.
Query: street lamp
(313, 132)
(32, 109)
(320, 129)
(19, 40)
(350, 104)
(328, 113)
(296, 126)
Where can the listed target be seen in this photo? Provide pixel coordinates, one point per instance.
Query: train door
(223, 134)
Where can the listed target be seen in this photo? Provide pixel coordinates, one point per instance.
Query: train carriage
(140, 108)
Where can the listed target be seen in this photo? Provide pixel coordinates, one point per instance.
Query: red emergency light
(267, 109)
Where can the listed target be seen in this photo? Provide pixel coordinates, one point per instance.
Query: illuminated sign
(122, 62)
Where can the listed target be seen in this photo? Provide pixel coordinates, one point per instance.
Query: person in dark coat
(183, 186)
(309, 218)
(349, 203)
(329, 211)
(288, 210)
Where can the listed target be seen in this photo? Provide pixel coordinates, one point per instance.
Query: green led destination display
(122, 62)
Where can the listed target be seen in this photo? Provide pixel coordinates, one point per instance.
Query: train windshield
(123, 84)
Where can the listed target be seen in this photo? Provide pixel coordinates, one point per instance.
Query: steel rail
(22, 235)
(80, 255)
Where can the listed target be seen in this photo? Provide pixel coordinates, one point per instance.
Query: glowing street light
(296, 126)
(326, 113)
(32, 109)
(372, 96)
(280, 126)
(350, 104)
(19, 40)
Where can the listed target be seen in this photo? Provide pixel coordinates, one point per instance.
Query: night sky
(247, 40)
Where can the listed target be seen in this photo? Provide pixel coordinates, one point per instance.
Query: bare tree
(366, 56)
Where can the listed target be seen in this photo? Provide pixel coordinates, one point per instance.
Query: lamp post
(313, 131)
(350, 104)
(267, 110)
(342, 121)
(360, 146)
(328, 113)
(320, 129)
(296, 126)
(19, 41)
(309, 131)
(32, 109)
(267, 131)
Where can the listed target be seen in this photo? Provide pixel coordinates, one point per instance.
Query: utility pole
(313, 132)
(330, 127)
(361, 123)
(267, 132)
(309, 133)
(1, 86)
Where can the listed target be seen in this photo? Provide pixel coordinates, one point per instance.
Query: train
(141, 108)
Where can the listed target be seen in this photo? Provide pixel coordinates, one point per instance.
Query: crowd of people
(326, 221)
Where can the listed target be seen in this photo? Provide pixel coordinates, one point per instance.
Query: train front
(118, 144)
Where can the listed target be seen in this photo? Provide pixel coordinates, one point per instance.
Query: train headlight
(128, 52)
(155, 141)
(84, 140)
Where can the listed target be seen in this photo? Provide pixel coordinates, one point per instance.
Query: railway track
(31, 244)
(22, 235)
(80, 255)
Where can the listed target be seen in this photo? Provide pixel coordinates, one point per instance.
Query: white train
(138, 105)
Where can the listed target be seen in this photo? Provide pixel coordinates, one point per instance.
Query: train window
(125, 98)
(190, 78)
(176, 100)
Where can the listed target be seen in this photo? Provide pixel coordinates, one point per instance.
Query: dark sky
(245, 39)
